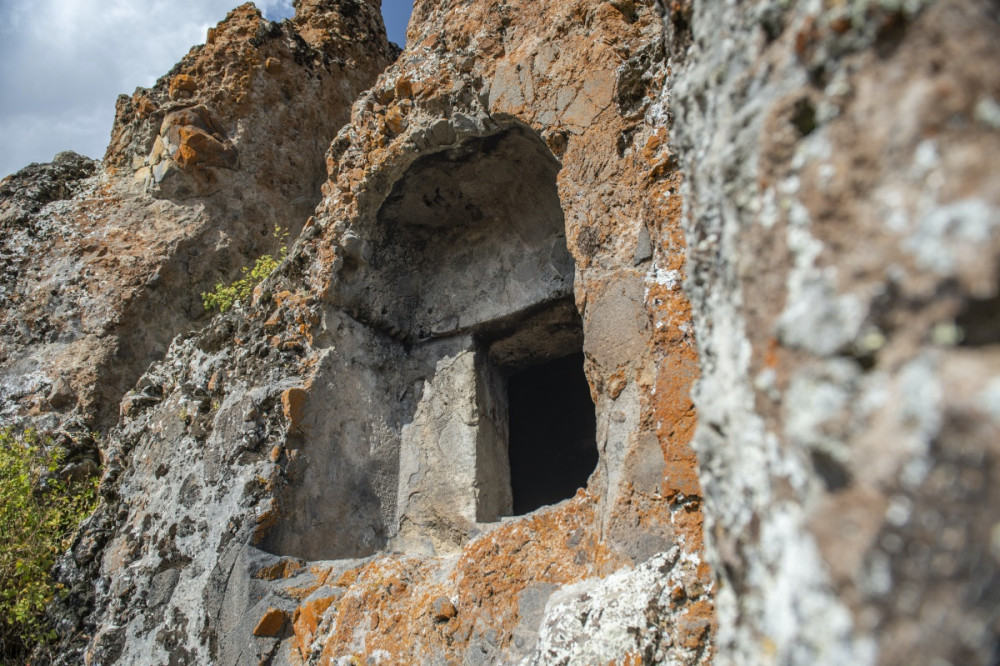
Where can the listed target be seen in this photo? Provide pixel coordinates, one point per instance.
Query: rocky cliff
(842, 224)
(612, 332)
(104, 266)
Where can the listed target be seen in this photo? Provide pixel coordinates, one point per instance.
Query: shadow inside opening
(552, 444)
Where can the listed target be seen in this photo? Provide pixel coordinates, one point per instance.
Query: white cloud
(276, 10)
(64, 62)
(45, 135)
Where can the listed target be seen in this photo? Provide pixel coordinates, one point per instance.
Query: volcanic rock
(624, 332)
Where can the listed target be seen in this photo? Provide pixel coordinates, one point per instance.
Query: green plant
(39, 512)
(224, 296)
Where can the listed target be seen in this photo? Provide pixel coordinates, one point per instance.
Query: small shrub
(39, 513)
(224, 296)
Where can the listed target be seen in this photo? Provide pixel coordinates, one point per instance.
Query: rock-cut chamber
(456, 394)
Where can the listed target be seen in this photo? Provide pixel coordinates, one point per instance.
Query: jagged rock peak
(334, 24)
(103, 272)
(26, 191)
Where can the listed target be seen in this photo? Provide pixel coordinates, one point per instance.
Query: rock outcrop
(104, 266)
(615, 332)
(335, 453)
(844, 233)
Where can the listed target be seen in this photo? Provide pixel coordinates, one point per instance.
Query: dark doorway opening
(552, 445)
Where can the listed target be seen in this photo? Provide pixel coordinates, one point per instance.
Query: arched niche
(457, 290)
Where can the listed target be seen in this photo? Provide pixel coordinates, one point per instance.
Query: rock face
(614, 333)
(844, 237)
(103, 267)
(338, 452)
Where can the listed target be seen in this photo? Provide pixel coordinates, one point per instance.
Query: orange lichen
(695, 624)
(293, 406)
(393, 598)
(306, 621)
(273, 622)
(265, 521)
(388, 600)
(283, 569)
(182, 85)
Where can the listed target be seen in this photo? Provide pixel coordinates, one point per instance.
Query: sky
(63, 64)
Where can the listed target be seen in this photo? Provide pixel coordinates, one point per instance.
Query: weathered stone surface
(812, 485)
(450, 251)
(192, 137)
(629, 616)
(27, 191)
(272, 624)
(844, 242)
(103, 267)
(443, 610)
